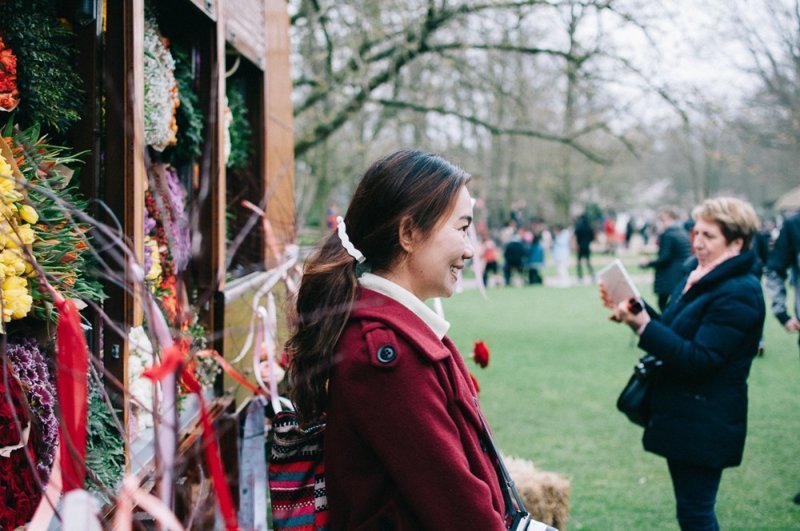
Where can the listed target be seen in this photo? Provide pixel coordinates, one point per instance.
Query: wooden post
(123, 182)
(280, 129)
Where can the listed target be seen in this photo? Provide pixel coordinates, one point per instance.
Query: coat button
(387, 354)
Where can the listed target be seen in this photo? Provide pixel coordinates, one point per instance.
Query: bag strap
(515, 505)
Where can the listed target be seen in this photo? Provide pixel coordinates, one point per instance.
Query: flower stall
(146, 166)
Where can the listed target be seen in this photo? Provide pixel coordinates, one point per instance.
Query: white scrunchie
(346, 243)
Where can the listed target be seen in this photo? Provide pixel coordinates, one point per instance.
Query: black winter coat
(707, 338)
(673, 250)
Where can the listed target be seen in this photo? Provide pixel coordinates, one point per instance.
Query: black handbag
(634, 400)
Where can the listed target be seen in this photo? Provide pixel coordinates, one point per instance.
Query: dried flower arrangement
(160, 88)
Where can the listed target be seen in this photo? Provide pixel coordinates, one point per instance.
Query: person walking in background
(490, 255)
(610, 232)
(404, 445)
(673, 250)
(785, 257)
(561, 255)
(629, 230)
(535, 259)
(706, 339)
(584, 236)
(513, 257)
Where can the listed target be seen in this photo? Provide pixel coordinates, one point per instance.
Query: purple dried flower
(149, 223)
(149, 227)
(31, 368)
(176, 201)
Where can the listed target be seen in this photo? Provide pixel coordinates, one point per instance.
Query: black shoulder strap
(511, 497)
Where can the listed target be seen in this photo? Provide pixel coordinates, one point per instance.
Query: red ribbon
(172, 360)
(231, 371)
(71, 385)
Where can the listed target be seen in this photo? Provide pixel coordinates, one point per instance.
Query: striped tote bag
(297, 475)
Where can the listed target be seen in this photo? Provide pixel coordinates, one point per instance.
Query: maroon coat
(403, 439)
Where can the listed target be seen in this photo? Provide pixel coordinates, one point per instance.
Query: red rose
(475, 383)
(480, 353)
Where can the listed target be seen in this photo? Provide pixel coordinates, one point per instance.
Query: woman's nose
(469, 250)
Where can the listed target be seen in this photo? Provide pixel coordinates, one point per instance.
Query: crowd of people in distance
(516, 253)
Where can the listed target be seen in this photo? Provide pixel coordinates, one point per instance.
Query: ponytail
(324, 302)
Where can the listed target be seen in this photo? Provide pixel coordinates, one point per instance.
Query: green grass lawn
(550, 390)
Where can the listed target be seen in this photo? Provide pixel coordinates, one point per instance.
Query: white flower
(140, 388)
(139, 341)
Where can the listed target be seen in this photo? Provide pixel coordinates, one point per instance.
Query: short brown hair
(736, 218)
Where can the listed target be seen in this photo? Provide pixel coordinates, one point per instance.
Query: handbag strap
(507, 486)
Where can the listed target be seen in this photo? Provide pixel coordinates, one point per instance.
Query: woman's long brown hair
(415, 186)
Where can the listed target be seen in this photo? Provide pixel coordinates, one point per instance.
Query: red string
(233, 373)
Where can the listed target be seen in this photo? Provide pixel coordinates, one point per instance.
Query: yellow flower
(5, 210)
(155, 271)
(13, 195)
(12, 238)
(29, 214)
(8, 239)
(12, 262)
(7, 181)
(17, 301)
(26, 233)
(5, 167)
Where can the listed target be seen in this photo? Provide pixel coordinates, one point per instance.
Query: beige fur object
(546, 494)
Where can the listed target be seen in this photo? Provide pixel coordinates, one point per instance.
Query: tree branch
(496, 130)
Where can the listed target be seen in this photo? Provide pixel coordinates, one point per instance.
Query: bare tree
(421, 67)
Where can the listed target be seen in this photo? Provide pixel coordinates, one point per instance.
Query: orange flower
(68, 257)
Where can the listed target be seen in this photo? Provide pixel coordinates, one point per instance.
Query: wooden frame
(113, 133)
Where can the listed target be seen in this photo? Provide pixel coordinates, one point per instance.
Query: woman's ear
(406, 234)
(737, 245)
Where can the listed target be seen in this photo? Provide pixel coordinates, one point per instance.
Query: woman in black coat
(706, 338)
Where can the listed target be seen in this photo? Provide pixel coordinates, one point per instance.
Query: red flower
(283, 360)
(9, 95)
(19, 492)
(480, 353)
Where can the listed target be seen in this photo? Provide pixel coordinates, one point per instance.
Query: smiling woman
(432, 264)
(404, 436)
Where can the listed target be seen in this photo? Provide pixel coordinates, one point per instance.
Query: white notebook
(618, 283)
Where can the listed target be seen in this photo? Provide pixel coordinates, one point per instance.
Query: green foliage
(241, 133)
(105, 451)
(50, 87)
(549, 392)
(189, 115)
